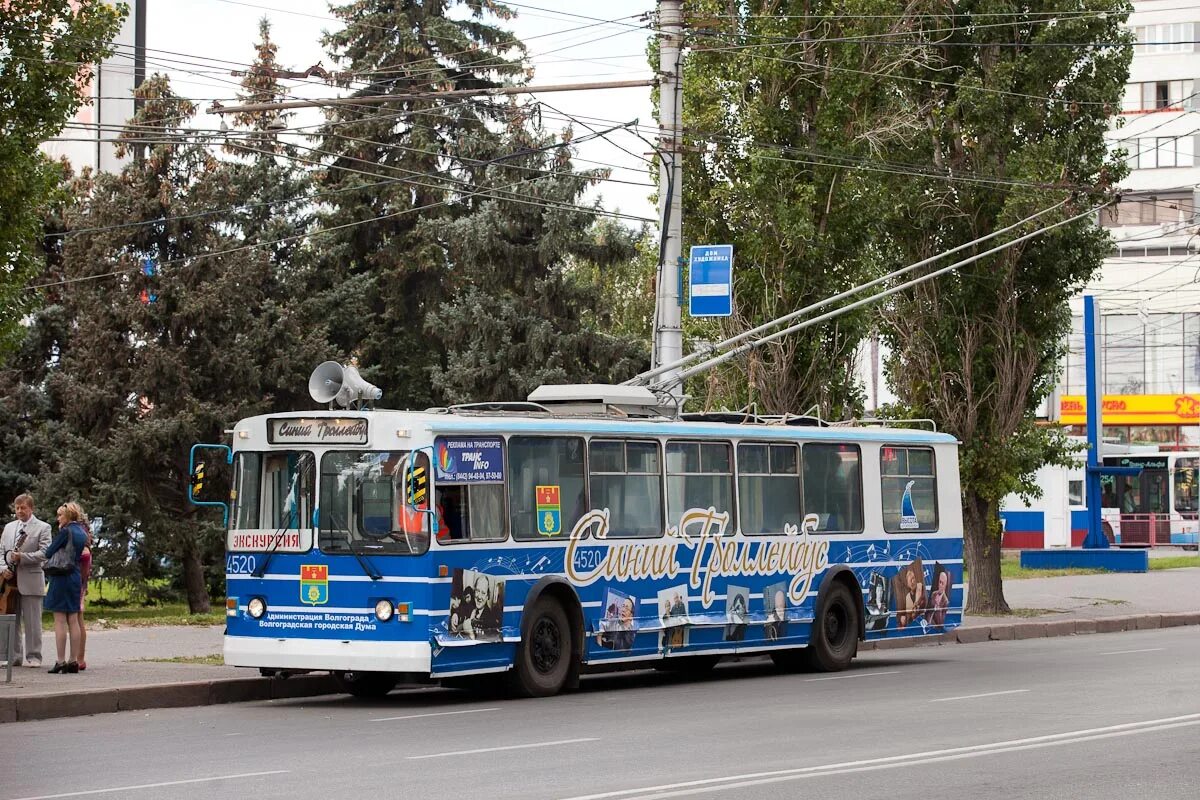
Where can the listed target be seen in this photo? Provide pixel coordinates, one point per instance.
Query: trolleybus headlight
(384, 610)
(256, 607)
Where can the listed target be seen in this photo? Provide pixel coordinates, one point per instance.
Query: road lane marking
(86, 792)
(727, 782)
(506, 747)
(973, 696)
(863, 674)
(435, 714)
(1123, 652)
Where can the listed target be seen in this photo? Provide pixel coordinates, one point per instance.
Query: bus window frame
(565, 533)
(862, 493)
(239, 472)
(797, 445)
(731, 444)
(504, 499)
(937, 517)
(624, 441)
(357, 501)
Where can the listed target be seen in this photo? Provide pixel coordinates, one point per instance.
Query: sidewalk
(122, 674)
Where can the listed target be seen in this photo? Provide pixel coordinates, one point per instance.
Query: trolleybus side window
(699, 475)
(547, 486)
(768, 487)
(1187, 501)
(469, 497)
(372, 503)
(272, 491)
(908, 489)
(626, 478)
(833, 486)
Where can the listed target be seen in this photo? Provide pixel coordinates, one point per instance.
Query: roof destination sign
(710, 281)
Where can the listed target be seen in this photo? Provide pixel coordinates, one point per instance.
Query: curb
(167, 695)
(241, 690)
(1010, 631)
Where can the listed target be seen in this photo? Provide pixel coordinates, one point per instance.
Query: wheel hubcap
(547, 645)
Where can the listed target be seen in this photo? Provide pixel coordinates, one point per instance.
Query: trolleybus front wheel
(543, 658)
(367, 685)
(835, 631)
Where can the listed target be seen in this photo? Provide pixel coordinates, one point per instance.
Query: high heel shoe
(58, 668)
(71, 666)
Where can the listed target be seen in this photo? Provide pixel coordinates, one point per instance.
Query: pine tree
(166, 355)
(527, 306)
(397, 173)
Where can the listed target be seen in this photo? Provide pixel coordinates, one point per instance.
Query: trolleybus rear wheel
(367, 685)
(835, 631)
(543, 658)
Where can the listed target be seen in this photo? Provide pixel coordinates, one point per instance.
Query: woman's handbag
(63, 560)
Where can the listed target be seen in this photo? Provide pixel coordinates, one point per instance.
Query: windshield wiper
(366, 565)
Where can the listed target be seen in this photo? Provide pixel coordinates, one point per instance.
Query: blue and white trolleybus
(584, 528)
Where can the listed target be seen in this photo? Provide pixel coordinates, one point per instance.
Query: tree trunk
(193, 580)
(982, 550)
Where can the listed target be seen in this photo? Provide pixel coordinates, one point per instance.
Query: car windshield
(374, 503)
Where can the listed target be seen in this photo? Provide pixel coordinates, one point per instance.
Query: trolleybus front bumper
(328, 654)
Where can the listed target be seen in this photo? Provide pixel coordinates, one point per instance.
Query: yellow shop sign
(1135, 409)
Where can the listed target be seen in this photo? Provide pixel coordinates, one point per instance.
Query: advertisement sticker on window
(469, 459)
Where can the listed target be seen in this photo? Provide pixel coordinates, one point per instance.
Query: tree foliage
(47, 49)
(157, 358)
(977, 350)
(784, 102)
(517, 313)
(407, 167)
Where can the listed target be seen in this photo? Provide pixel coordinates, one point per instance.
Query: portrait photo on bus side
(476, 605)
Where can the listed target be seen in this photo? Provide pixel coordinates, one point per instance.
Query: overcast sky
(565, 42)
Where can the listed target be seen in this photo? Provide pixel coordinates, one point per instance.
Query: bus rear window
(374, 503)
(908, 489)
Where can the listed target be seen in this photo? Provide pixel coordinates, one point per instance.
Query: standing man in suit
(21, 544)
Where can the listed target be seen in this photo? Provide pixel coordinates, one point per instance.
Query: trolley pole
(668, 331)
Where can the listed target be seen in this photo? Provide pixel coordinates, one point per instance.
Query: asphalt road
(1076, 717)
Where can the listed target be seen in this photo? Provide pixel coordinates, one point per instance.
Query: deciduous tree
(1017, 109)
(47, 52)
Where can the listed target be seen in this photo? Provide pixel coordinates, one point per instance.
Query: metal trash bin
(8, 636)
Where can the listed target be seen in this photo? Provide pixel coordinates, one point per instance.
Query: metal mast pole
(668, 333)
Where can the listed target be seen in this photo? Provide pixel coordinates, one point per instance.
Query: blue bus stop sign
(710, 281)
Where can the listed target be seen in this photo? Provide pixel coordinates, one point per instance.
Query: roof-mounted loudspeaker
(333, 383)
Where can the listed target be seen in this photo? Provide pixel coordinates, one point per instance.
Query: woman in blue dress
(63, 595)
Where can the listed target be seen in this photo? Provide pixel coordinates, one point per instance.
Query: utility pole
(668, 332)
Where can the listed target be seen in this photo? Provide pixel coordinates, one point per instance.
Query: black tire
(543, 659)
(366, 685)
(834, 641)
(688, 665)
